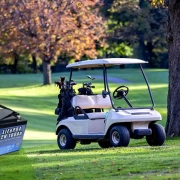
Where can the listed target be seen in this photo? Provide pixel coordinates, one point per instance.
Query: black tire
(119, 136)
(158, 135)
(104, 144)
(65, 139)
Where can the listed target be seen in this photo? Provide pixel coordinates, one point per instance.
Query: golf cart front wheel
(158, 135)
(65, 139)
(119, 136)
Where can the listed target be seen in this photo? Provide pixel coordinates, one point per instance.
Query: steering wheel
(120, 92)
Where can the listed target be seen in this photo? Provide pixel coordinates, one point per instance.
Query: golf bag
(87, 90)
(64, 108)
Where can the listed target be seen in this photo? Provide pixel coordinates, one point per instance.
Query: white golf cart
(115, 127)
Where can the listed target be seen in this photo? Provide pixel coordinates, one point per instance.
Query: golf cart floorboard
(89, 136)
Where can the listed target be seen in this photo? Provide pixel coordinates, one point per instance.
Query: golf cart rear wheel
(158, 135)
(119, 136)
(104, 144)
(65, 139)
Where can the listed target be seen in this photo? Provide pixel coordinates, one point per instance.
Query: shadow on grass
(135, 150)
(54, 151)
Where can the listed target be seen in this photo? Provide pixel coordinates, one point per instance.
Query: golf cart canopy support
(104, 63)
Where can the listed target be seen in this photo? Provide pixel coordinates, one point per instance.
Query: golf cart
(82, 117)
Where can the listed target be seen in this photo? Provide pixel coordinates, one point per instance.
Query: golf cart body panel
(100, 123)
(74, 125)
(86, 127)
(137, 115)
(140, 117)
(107, 127)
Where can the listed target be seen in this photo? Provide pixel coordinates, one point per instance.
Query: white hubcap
(115, 137)
(63, 140)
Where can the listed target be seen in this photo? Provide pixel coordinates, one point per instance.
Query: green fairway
(135, 162)
(36, 103)
(16, 166)
(138, 161)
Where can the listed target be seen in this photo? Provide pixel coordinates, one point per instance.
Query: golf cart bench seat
(93, 101)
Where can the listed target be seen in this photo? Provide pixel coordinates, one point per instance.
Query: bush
(22, 69)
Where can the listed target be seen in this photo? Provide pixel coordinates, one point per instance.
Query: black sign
(11, 138)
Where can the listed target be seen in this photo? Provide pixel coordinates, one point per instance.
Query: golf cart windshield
(119, 84)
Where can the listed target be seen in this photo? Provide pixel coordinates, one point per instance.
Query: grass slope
(138, 161)
(16, 166)
(36, 103)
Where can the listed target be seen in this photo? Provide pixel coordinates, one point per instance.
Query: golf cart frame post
(106, 86)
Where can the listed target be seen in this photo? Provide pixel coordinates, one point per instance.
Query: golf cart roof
(107, 62)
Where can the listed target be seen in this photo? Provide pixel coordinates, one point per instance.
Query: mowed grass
(36, 103)
(135, 162)
(40, 155)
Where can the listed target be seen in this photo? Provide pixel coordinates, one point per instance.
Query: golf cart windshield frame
(106, 88)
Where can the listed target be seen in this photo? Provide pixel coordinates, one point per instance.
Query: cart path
(113, 79)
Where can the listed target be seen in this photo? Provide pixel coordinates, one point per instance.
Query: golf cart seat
(93, 101)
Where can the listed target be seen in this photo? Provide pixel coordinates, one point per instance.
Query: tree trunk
(34, 64)
(173, 38)
(150, 54)
(142, 49)
(14, 66)
(141, 45)
(46, 72)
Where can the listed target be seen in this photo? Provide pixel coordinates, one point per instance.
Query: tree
(137, 23)
(173, 38)
(49, 28)
(11, 43)
(34, 63)
(113, 46)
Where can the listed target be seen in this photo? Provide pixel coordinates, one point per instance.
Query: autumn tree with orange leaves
(11, 43)
(49, 28)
